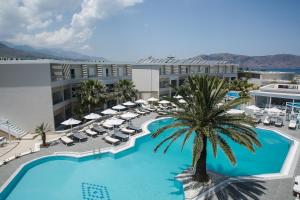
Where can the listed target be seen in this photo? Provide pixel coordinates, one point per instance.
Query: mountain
(27, 52)
(278, 60)
(9, 52)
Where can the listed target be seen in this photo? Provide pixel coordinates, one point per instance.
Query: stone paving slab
(278, 189)
(91, 144)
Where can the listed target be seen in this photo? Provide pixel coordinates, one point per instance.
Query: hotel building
(267, 77)
(276, 95)
(36, 91)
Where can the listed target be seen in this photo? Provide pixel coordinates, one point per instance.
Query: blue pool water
(234, 94)
(137, 173)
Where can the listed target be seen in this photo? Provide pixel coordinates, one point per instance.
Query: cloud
(30, 21)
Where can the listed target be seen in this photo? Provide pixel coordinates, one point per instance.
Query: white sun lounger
(297, 180)
(111, 140)
(296, 189)
(108, 126)
(293, 124)
(91, 133)
(267, 121)
(128, 131)
(140, 112)
(66, 140)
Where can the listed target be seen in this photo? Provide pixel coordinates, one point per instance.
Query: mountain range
(275, 61)
(10, 50)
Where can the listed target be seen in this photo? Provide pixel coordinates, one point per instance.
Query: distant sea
(276, 69)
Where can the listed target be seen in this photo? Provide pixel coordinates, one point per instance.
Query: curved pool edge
(286, 171)
(5, 190)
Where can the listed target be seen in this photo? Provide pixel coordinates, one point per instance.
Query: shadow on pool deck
(248, 189)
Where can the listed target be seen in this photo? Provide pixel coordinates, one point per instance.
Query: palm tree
(204, 121)
(125, 90)
(91, 93)
(241, 85)
(42, 129)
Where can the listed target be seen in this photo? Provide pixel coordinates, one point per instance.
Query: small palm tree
(204, 121)
(42, 129)
(241, 85)
(91, 93)
(125, 90)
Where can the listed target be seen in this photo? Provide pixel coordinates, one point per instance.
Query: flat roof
(275, 94)
(181, 62)
(267, 72)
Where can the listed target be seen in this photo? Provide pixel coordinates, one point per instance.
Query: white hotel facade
(36, 91)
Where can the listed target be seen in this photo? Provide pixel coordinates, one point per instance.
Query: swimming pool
(233, 94)
(137, 173)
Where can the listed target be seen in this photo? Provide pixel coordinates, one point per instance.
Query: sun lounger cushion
(111, 140)
(121, 136)
(107, 125)
(126, 130)
(293, 124)
(296, 188)
(98, 129)
(135, 128)
(66, 140)
(91, 133)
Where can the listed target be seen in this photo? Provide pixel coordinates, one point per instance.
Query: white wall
(146, 80)
(25, 94)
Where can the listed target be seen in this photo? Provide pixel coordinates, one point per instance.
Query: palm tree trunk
(44, 139)
(201, 171)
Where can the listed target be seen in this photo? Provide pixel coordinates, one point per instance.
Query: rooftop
(268, 72)
(188, 61)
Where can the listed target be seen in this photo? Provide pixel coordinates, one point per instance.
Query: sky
(128, 30)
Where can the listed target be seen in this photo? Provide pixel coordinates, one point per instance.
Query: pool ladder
(97, 153)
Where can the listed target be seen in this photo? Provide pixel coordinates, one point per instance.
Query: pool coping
(285, 172)
(113, 150)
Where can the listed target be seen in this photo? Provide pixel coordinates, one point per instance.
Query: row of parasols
(115, 109)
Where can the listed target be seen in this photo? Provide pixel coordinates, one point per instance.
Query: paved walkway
(92, 144)
(279, 189)
(276, 189)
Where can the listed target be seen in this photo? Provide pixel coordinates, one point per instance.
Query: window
(174, 83)
(206, 70)
(163, 70)
(57, 73)
(172, 69)
(106, 72)
(57, 97)
(72, 72)
(164, 83)
(67, 94)
(92, 71)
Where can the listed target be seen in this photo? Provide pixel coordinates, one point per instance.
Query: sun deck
(248, 189)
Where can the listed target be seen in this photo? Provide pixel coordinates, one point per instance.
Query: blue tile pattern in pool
(137, 173)
(94, 192)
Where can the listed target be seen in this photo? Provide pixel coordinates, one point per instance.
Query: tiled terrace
(275, 189)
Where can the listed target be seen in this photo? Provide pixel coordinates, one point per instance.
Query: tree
(42, 129)
(204, 121)
(91, 93)
(125, 90)
(241, 85)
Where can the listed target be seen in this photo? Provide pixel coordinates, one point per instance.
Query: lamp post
(8, 131)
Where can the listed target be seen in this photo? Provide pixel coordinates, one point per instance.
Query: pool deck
(275, 189)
